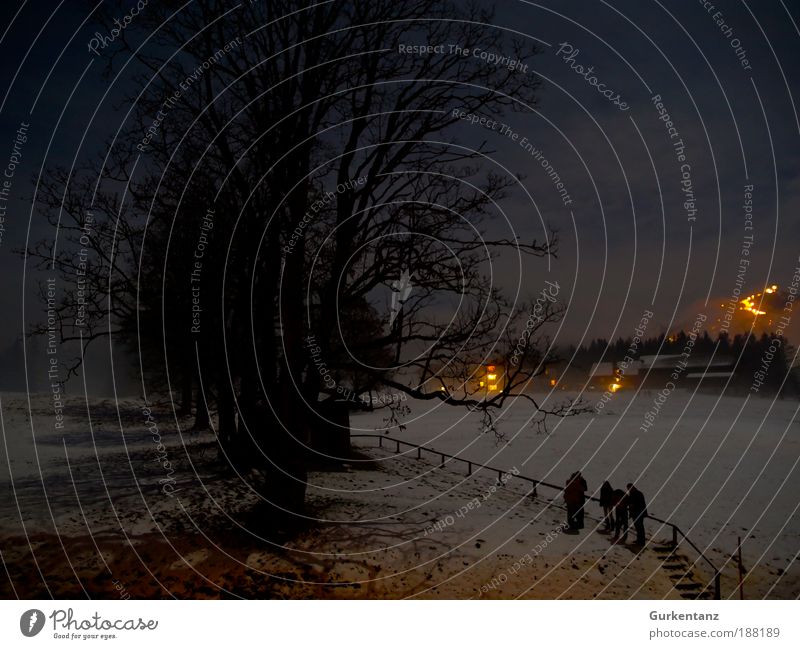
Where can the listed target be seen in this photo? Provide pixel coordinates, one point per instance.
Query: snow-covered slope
(720, 468)
(89, 503)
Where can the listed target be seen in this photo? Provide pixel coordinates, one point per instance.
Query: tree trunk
(286, 456)
(186, 394)
(202, 419)
(226, 430)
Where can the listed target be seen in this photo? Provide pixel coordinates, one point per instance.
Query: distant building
(483, 381)
(490, 379)
(560, 376)
(657, 371)
(605, 376)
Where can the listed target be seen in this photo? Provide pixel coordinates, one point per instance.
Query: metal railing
(677, 533)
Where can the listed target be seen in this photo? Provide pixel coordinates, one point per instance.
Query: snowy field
(718, 467)
(89, 502)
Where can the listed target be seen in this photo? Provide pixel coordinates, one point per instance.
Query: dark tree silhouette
(316, 164)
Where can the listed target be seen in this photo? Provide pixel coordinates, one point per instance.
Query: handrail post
(675, 530)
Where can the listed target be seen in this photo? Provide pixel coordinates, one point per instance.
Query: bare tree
(325, 154)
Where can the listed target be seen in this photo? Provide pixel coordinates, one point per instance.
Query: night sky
(633, 236)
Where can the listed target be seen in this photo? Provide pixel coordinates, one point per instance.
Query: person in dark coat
(619, 503)
(638, 509)
(572, 499)
(582, 489)
(606, 502)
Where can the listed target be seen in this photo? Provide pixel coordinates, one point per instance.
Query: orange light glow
(491, 368)
(749, 303)
(614, 387)
(552, 382)
(492, 388)
(491, 377)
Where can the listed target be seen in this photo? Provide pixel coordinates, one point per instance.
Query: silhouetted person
(607, 503)
(583, 488)
(619, 503)
(573, 497)
(638, 510)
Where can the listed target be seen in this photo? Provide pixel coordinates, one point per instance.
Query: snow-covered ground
(718, 467)
(96, 518)
(88, 501)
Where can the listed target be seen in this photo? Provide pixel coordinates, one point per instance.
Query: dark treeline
(746, 354)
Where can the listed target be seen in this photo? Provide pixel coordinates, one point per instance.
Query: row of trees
(321, 166)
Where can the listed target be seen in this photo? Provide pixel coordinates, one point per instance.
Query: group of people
(620, 508)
